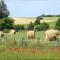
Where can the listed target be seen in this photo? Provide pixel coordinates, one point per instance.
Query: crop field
(32, 19)
(18, 47)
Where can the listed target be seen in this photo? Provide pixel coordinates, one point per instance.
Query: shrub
(57, 26)
(44, 26)
(30, 26)
(22, 27)
(6, 23)
(19, 27)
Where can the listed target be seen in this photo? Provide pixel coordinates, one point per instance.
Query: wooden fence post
(22, 41)
(26, 43)
(38, 42)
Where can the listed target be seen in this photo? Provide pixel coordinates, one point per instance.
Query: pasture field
(30, 54)
(20, 39)
(19, 36)
(18, 47)
(32, 19)
(12, 48)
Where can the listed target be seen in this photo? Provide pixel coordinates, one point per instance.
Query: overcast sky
(32, 8)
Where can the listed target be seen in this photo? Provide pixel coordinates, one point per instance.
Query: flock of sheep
(49, 34)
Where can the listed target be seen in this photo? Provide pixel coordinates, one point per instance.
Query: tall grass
(20, 40)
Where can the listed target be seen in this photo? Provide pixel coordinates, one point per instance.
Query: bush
(19, 27)
(6, 23)
(30, 26)
(44, 26)
(57, 26)
(22, 27)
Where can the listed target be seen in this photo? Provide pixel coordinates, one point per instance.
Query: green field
(18, 47)
(12, 48)
(30, 54)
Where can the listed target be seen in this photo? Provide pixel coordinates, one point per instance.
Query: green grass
(15, 40)
(50, 18)
(52, 25)
(30, 54)
(31, 51)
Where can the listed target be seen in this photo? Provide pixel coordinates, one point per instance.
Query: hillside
(28, 20)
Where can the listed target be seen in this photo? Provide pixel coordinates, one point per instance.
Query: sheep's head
(57, 32)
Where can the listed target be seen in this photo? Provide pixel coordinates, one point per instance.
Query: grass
(20, 39)
(50, 18)
(16, 40)
(12, 47)
(29, 53)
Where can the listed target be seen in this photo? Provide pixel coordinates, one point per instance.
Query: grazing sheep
(51, 34)
(1, 34)
(57, 32)
(31, 34)
(12, 31)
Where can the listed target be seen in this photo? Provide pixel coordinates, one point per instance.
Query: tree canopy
(3, 9)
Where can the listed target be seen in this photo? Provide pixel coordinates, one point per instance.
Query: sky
(32, 8)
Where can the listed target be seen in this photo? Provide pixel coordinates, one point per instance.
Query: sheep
(12, 31)
(57, 32)
(1, 34)
(51, 34)
(31, 34)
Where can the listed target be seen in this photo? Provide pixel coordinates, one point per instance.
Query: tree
(6, 23)
(57, 26)
(43, 15)
(3, 9)
(37, 27)
(37, 22)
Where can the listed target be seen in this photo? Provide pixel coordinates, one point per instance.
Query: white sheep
(31, 34)
(51, 34)
(1, 34)
(12, 31)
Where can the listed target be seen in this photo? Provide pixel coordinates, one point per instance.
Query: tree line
(43, 15)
